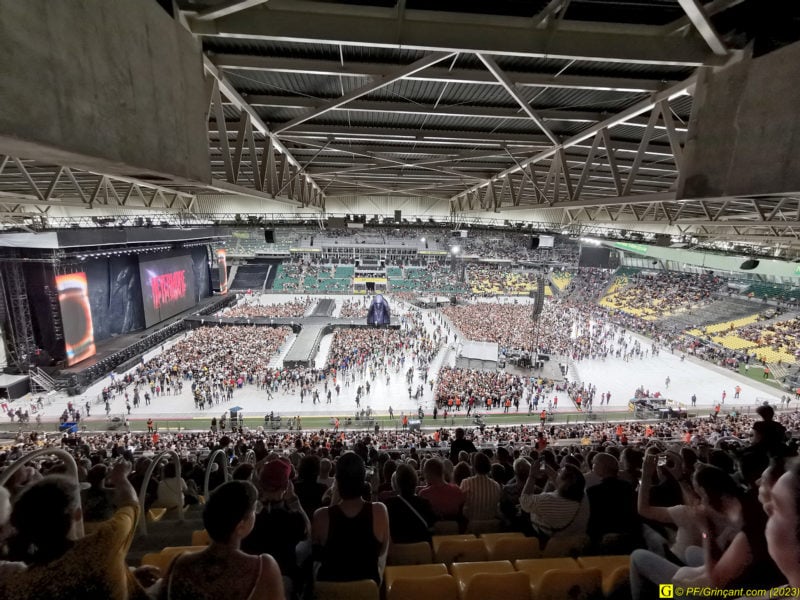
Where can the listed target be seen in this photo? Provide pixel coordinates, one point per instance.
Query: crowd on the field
(293, 308)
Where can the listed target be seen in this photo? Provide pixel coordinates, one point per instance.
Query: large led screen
(76, 316)
(168, 287)
(222, 265)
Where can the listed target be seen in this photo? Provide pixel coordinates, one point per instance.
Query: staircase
(40, 381)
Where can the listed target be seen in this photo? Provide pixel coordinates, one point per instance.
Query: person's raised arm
(646, 511)
(124, 494)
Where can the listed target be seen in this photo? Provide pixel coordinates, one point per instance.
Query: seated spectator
(513, 515)
(461, 472)
(96, 501)
(563, 512)
(222, 570)
(7, 568)
(446, 499)
(733, 555)
(61, 564)
(351, 537)
(481, 493)
(612, 503)
(170, 489)
(281, 524)
(325, 474)
(307, 488)
(780, 495)
(410, 516)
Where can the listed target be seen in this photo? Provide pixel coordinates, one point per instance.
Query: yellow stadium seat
(410, 554)
(615, 571)
(514, 548)
(498, 586)
(446, 528)
(439, 587)
(465, 571)
(164, 559)
(200, 538)
(566, 546)
(364, 589)
(156, 514)
(583, 584)
(436, 540)
(479, 526)
(392, 574)
(451, 551)
(537, 567)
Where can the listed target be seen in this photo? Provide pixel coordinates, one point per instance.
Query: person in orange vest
(716, 411)
(543, 417)
(458, 403)
(150, 425)
(405, 421)
(619, 432)
(578, 402)
(450, 403)
(488, 404)
(508, 406)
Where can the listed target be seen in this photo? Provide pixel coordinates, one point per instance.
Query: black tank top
(351, 551)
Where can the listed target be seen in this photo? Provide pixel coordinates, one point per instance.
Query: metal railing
(175, 459)
(72, 471)
(223, 465)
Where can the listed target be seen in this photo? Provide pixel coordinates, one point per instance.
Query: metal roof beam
(334, 68)
(421, 30)
(226, 9)
(629, 113)
(712, 8)
(407, 108)
(258, 124)
(508, 86)
(375, 84)
(699, 18)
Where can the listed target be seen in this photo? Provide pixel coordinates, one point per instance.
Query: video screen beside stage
(76, 316)
(168, 287)
(595, 257)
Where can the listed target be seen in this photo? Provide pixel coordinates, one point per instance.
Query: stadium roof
(577, 105)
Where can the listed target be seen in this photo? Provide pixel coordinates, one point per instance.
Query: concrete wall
(744, 137)
(115, 85)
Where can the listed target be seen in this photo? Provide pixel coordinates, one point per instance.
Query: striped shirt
(481, 497)
(551, 513)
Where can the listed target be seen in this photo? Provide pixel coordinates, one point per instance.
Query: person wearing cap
(281, 524)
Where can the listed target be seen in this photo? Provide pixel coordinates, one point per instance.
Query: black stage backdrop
(115, 295)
